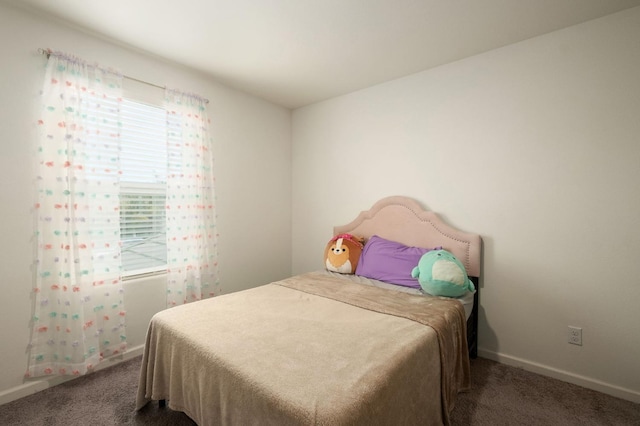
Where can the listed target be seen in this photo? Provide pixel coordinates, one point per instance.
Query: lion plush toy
(342, 253)
(440, 273)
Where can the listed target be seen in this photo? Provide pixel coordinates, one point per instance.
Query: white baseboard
(32, 386)
(565, 376)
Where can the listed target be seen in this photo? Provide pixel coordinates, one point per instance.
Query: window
(104, 198)
(143, 163)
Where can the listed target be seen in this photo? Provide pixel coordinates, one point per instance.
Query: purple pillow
(391, 262)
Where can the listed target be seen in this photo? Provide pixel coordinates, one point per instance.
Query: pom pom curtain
(79, 313)
(192, 264)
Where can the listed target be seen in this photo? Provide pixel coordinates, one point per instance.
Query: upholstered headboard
(402, 219)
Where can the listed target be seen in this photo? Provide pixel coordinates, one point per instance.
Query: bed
(320, 347)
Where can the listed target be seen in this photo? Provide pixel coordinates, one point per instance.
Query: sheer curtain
(79, 313)
(192, 257)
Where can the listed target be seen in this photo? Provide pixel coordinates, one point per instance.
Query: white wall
(536, 146)
(253, 173)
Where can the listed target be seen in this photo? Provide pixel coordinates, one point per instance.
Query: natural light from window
(143, 162)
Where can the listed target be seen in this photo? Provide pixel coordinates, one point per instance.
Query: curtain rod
(48, 53)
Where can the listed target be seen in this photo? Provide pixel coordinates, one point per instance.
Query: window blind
(143, 177)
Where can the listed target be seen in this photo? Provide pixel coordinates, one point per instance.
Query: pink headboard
(403, 220)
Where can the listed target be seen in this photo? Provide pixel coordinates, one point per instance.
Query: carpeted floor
(501, 395)
(504, 395)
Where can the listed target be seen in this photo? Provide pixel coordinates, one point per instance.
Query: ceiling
(297, 52)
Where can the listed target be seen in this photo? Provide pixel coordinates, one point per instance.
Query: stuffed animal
(342, 253)
(440, 273)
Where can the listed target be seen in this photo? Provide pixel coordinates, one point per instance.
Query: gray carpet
(501, 395)
(504, 395)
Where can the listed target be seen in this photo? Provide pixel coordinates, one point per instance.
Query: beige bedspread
(311, 349)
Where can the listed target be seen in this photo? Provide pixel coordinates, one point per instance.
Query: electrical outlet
(575, 335)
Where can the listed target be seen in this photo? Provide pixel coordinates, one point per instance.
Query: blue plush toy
(441, 274)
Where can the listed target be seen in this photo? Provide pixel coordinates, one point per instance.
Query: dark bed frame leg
(162, 403)
(472, 323)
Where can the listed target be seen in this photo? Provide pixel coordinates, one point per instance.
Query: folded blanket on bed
(311, 349)
(445, 316)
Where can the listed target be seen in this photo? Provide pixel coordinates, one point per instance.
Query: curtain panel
(192, 248)
(79, 315)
